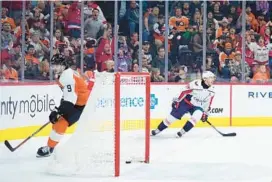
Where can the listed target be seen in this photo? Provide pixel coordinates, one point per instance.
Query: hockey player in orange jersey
(75, 96)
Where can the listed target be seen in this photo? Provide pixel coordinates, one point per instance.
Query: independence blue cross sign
(153, 101)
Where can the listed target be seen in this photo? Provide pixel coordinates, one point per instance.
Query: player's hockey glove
(54, 116)
(204, 117)
(175, 103)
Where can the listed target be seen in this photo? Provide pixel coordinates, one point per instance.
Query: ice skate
(180, 133)
(44, 152)
(155, 132)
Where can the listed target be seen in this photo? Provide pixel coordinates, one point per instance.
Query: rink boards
(25, 107)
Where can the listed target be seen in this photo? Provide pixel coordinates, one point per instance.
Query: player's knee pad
(169, 120)
(61, 125)
(58, 131)
(196, 116)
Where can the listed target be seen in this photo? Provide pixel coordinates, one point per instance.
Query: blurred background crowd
(174, 41)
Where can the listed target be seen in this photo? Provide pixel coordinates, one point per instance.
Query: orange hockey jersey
(74, 87)
(181, 24)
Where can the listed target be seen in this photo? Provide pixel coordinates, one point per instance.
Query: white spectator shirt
(261, 54)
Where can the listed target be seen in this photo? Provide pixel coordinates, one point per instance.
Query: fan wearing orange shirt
(75, 96)
(178, 22)
(10, 73)
(261, 76)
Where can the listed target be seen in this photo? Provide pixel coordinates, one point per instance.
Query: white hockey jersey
(196, 95)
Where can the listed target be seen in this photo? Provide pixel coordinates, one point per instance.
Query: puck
(128, 162)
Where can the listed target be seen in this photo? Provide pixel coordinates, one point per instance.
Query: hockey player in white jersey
(196, 99)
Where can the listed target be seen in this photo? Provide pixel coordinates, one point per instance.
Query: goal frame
(117, 117)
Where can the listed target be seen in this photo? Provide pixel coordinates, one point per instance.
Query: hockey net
(108, 133)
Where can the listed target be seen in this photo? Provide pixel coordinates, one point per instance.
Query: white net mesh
(91, 149)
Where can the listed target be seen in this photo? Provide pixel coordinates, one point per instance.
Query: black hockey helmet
(58, 59)
(70, 62)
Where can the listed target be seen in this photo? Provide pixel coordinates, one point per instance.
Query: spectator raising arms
(185, 38)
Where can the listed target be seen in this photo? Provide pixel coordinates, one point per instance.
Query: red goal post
(138, 78)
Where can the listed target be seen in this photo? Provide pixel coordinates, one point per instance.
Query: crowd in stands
(185, 39)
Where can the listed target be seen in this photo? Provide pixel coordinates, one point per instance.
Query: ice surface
(200, 156)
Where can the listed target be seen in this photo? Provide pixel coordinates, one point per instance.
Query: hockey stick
(223, 134)
(19, 145)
